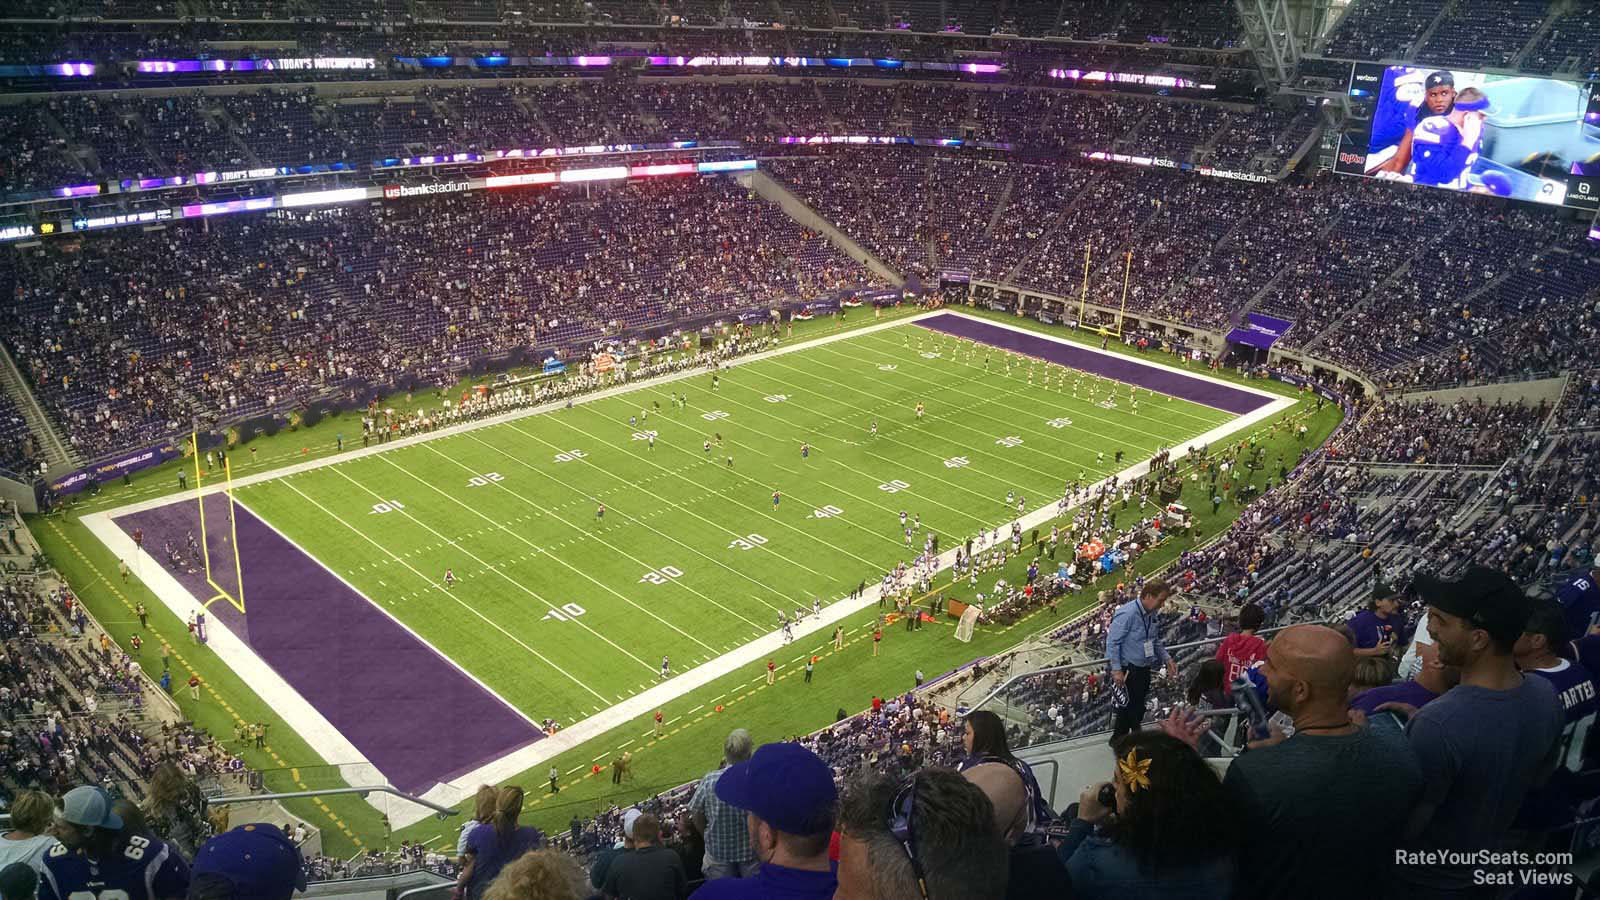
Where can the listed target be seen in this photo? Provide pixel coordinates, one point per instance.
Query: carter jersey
(145, 868)
(1575, 689)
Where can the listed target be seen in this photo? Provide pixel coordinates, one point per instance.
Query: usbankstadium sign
(332, 196)
(395, 191)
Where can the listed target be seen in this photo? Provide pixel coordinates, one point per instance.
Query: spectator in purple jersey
(99, 857)
(1377, 628)
(1537, 654)
(1552, 804)
(493, 844)
(1431, 680)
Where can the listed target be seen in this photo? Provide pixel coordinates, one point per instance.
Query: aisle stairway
(57, 455)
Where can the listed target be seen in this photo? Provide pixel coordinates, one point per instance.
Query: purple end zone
(411, 713)
(1121, 368)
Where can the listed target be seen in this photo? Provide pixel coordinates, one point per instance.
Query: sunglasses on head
(901, 811)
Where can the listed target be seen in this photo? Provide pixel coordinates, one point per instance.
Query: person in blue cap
(99, 857)
(789, 799)
(258, 862)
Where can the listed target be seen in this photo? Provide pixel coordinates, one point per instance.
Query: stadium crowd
(1469, 433)
(293, 307)
(1336, 530)
(63, 140)
(907, 795)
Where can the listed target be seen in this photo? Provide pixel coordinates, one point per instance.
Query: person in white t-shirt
(28, 840)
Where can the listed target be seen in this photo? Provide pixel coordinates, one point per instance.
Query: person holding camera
(1159, 830)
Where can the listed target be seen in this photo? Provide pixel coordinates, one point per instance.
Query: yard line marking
(714, 561)
(803, 502)
(1090, 348)
(558, 559)
(1085, 407)
(519, 585)
(974, 450)
(440, 588)
(723, 528)
(884, 437)
(1025, 415)
(912, 359)
(615, 548)
(932, 475)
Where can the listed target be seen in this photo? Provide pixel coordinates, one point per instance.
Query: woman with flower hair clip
(1160, 829)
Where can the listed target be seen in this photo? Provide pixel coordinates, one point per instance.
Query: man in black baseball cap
(1485, 742)
(1482, 599)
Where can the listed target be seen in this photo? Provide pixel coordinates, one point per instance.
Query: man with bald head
(1036, 869)
(1322, 810)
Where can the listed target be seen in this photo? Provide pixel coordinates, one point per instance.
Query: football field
(588, 543)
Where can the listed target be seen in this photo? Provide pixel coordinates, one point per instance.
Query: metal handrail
(426, 889)
(1103, 660)
(442, 811)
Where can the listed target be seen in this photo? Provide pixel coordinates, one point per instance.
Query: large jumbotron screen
(1535, 139)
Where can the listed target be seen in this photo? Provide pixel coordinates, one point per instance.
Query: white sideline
(328, 743)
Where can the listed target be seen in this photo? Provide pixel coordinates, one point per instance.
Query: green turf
(512, 508)
(298, 443)
(845, 680)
